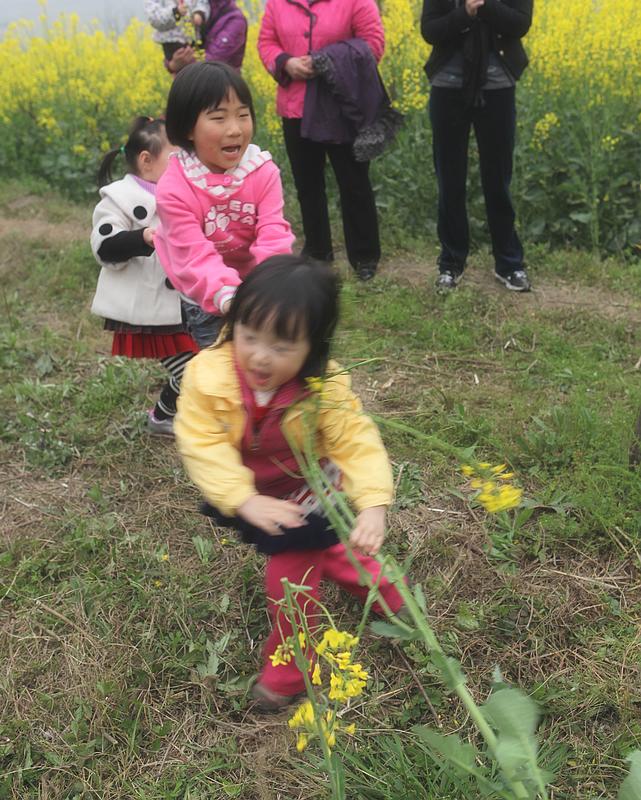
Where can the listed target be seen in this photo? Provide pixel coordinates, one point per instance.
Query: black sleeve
(123, 246)
(511, 18)
(440, 23)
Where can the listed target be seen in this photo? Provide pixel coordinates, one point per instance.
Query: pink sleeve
(192, 263)
(273, 232)
(269, 46)
(367, 25)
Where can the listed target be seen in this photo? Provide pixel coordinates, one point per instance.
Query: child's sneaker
(271, 702)
(159, 427)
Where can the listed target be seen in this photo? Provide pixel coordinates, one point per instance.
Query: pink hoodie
(298, 27)
(215, 227)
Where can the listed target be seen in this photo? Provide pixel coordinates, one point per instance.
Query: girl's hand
(472, 6)
(270, 514)
(369, 532)
(300, 69)
(148, 235)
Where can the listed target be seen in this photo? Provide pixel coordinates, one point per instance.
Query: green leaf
(512, 713)
(299, 587)
(420, 597)
(338, 770)
(449, 668)
(631, 786)
(450, 746)
(460, 757)
(466, 621)
(515, 716)
(44, 365)
(581, 216)
(393, 631)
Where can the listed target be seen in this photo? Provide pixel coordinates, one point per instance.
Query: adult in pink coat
(289, 32)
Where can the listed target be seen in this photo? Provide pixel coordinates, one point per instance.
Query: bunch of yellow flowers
(346, 680)
(494, 492)
(304, 721)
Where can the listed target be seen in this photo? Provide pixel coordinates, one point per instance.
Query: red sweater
(265, 450)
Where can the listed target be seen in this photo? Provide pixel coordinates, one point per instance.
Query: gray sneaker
(159, 427)
(446, 281)
(516, 281)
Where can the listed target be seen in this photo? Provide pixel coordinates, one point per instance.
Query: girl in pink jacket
(220, 202)
(290, 31)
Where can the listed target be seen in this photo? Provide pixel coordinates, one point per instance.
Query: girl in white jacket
(133, 294)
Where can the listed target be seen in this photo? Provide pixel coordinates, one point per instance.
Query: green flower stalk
(338, 512)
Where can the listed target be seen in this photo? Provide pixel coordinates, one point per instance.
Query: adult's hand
(181, 58)
(300, 69)
(472, 6)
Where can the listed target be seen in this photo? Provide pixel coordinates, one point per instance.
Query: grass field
(126, 646)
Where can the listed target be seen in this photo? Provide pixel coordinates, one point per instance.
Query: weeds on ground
(125, 658)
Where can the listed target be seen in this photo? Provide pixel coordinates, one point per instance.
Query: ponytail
(106, 166)
(146, 133)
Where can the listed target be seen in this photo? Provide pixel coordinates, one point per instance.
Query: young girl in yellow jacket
(239, 402)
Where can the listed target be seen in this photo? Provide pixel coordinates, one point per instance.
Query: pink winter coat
(215, 227)
(298, 27)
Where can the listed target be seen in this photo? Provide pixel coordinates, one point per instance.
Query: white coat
(133, 291)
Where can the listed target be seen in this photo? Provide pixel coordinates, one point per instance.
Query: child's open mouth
(260, 378)
(232, 149)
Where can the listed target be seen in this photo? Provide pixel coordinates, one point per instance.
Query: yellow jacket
(211, 419)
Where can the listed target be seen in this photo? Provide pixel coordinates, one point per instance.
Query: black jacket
(446, 25)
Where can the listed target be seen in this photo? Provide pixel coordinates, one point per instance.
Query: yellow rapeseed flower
(283, 654)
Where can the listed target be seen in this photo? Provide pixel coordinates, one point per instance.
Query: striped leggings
(175, 365)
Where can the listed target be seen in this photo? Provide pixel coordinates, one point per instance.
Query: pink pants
(310, 567)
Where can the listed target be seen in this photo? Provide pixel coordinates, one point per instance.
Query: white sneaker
(159, 427)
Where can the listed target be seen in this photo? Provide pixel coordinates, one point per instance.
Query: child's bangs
(240, 89)
(285, 319)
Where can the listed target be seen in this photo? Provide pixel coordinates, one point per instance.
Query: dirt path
(28, 217)
(547, 294)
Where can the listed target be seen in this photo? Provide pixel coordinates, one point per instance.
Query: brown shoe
(270, 702)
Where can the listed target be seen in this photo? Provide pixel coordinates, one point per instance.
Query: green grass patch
(129, 627)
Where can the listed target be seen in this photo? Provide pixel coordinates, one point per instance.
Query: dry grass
(101, 639)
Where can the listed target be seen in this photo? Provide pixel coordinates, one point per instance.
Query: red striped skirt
(151, 345)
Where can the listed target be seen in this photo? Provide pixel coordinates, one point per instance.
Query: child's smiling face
(222, 134)
(267, 361)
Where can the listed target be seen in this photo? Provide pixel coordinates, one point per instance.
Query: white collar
(196, 172)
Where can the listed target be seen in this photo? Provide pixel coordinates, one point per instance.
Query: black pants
(494, 124)
(360, 221)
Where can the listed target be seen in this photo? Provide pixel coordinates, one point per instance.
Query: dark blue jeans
(494, 124)
(201, 326)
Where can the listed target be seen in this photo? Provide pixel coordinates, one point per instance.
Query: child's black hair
(146, 133)
(294, 296)
(197, 88)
